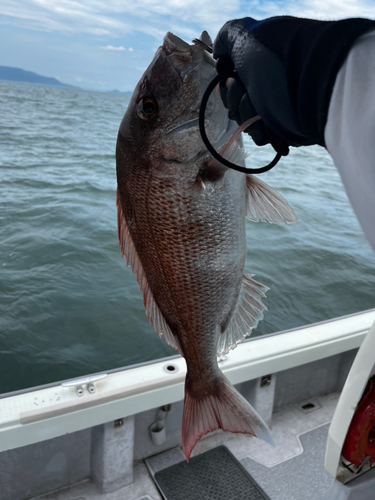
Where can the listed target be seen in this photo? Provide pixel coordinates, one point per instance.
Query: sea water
(68, 304)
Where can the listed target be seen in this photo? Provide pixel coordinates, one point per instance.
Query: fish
(181, 225)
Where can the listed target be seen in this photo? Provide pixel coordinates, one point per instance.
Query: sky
(107, 44)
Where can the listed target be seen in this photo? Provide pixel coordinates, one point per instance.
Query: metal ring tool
(223, 76)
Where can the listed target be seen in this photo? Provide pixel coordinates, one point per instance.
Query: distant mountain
(19, 75)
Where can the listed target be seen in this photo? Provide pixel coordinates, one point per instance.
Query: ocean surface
(68, 304)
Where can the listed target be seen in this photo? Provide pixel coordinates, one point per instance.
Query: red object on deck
(360, 439)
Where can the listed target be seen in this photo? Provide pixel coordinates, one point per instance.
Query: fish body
(181, 219)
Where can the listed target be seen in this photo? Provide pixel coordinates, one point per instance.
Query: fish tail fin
(222, 407)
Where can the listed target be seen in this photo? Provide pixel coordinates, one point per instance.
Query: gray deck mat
(214, 475)
(300, 478)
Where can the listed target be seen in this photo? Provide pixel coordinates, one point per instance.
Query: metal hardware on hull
(80, 383)
(79, 390)
(157, 429)
(363, 464)
(91, 388)
(118, 423)
(265, 381)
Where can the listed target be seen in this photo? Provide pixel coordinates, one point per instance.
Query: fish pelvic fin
(265, 204)
(154, 314)
(223, 407)
(247, 314)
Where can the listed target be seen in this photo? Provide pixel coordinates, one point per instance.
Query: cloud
(139, 26)
(318, 9)
(65, 16)
(110, 47)
(115, 18)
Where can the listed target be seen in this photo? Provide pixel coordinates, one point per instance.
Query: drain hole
(308, 406)
(170, 368)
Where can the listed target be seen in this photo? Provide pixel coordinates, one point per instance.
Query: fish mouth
(182, 56)
(172, 44)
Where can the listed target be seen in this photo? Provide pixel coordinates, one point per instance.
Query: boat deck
(293, 470)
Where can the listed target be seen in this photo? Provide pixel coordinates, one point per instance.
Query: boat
(111, 435)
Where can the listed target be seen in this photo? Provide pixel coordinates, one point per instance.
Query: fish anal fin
(247, 314)
(222, 408)
(127, 248)
(159, 323)
(122, 228)
(265, 204)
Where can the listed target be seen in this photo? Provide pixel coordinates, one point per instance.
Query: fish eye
(147, 108)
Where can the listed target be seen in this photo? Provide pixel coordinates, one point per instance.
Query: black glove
(287, 68)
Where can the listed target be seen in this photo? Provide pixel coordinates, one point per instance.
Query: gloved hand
(287, 68)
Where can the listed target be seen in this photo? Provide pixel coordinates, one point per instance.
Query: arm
(350, 130)
(288, 68)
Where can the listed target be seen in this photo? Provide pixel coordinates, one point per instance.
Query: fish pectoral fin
(247, 314)
(265, 204)
(155, 316)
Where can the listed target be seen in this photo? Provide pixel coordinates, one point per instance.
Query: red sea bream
(181, 221)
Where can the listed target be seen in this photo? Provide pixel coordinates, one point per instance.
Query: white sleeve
(350, 130)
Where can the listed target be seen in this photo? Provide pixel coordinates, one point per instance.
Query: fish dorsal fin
(246, 316)
(155, 316)
(205, 37)
(265, 204)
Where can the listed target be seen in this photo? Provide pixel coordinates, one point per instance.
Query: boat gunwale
(169, 358)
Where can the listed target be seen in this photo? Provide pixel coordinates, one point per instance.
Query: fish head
(161, 122)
